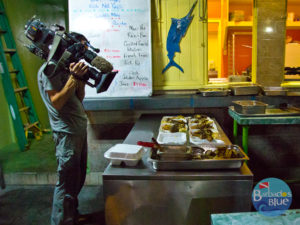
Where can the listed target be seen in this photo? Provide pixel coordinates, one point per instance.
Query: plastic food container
(124, 153)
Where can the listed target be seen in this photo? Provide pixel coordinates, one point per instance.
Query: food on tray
(179, 152)
(222, 153)
(178, 117)
(172, 120)
(197, 153)
(214, 89)
(202, 127)
(204, 134)
(176, 127)
(199, 116)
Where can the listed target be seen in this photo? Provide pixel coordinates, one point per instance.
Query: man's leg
(66, 190)
(83, 162)
(83, 167)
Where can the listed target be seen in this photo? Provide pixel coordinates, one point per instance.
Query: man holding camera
(62, 93)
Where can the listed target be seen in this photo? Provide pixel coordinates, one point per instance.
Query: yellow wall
(213, 48)
(193, 47)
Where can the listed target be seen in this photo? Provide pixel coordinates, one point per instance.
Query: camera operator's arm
(59, 98)
(80, 91)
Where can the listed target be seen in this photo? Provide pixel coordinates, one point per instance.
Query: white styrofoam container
(129, 154)
(178, 138)
(198, 141)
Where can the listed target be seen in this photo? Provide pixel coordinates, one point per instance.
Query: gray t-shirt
(71, 118)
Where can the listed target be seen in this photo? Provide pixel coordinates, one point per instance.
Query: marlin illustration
(177, 30)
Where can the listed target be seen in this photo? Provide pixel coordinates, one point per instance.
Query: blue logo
(271, 197)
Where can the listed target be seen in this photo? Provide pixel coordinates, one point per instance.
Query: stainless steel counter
(166, 102)
(141, 195)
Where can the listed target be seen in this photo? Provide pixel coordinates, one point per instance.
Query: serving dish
(200, 157)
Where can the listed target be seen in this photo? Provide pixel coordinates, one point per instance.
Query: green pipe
(235, 131)
(245, 138)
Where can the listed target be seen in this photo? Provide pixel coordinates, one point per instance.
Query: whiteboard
(121, 29)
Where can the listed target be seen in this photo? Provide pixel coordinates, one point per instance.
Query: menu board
(121, 29)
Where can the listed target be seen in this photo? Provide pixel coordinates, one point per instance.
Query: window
(292, 48)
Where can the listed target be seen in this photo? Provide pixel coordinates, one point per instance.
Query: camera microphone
(102, 64)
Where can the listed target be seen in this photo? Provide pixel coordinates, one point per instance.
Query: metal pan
(289, 111)
(245, 90)
(249, 107)
(274, 91)
(200, 164)
(209, 92)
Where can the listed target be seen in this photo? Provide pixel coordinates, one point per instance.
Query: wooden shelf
(241, 24)
(213, 25)
(293, 25)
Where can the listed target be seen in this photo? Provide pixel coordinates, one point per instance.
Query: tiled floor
(31, 205)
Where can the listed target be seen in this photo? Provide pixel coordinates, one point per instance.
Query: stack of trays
(200, 129)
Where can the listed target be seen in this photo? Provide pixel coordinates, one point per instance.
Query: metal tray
(173, 152)
(289, 111)
(249, 107)
(213, 92)
(199, 164)
(245, 90)
(293, 92)
(274, 91)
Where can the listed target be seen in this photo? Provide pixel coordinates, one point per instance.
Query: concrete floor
(31, 205)
(30, 177)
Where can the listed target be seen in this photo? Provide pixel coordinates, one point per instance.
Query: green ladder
(17, 94)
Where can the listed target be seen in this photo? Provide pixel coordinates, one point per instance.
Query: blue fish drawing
(177, 30)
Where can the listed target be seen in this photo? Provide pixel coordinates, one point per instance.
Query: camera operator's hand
(78, 69)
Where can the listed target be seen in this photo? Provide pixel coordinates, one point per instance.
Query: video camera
(60, 49)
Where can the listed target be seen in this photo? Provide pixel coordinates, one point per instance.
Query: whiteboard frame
(98, 96)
